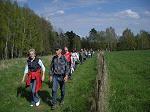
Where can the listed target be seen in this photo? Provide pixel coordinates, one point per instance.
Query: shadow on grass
(49, 84)
(24, 93)
(145, 105)
(44, 95)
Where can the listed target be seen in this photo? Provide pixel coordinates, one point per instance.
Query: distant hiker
(92, 52)
(89, 54)
(67, 55)
(33, 70)
(59, 71)
(75, 57)
(86, 54)
(81, 56)
(72, 64)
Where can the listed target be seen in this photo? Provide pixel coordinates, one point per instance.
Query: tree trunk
(6, 49)
(12, 50)
(16, 52)
(20, 53)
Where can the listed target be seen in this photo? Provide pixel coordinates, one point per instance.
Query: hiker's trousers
(34, 95)
(58, 80)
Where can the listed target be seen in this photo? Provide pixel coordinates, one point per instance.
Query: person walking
(81, 56)
(59, 71)
(75, 58)
(33, 70)
(67, 55)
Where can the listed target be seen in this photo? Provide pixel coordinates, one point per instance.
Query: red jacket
(68, 56)
(37, 76)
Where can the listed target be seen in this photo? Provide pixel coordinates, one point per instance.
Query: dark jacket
(33, 65)
(59, 66)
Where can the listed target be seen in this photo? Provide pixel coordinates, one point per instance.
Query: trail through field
(79, 90)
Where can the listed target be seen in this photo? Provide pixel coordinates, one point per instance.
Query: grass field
(78, 90)
(129, 81)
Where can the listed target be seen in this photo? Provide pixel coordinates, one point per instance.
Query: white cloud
(21, 0)
(83, 22)
(147, 13)
(60, 12)
(55, 5)
(128, 13)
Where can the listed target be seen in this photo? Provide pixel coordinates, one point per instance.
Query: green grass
(78, 90)
(129, 81)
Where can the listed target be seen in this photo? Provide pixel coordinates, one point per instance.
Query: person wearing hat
(33, 70)
(59, 71)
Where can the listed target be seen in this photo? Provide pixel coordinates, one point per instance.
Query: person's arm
(67, 71)
(71, 59)
(43, 69)
(25, 73)
(77, 56)
(51, 70)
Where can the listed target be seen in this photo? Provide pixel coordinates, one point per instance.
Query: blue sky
(82, 15)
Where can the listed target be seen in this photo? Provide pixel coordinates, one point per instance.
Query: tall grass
(129, 81)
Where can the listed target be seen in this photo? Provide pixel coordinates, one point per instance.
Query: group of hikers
(63, 64)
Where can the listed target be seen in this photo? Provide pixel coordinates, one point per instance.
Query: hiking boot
(62, 102)
(53, 107)
(38, 103)
(32, 104)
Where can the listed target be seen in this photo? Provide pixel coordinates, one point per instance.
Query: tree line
(22, 29)
(108, 40)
